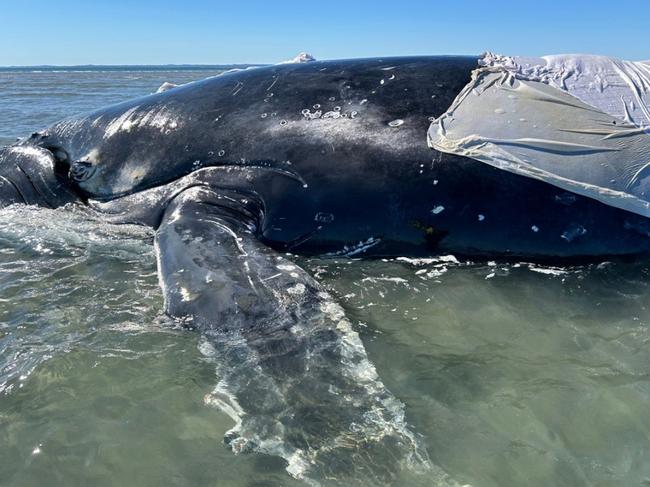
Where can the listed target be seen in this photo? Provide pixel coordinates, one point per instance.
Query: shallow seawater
(515, 374)
(511, 374)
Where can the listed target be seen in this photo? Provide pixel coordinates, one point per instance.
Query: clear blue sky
(242, 31)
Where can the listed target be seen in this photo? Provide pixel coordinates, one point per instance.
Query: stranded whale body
(376, 157)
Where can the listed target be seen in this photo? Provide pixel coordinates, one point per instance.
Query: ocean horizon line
(93, 67)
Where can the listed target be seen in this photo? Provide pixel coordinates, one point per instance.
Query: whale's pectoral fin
(293, 374)
(216, 275)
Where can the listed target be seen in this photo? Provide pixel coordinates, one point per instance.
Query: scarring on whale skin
(324, 158)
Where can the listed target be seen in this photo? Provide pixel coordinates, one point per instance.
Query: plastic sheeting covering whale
(617, 87)
(532, 121)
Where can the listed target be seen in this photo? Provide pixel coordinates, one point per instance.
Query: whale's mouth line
(15, 187)
(34, 187)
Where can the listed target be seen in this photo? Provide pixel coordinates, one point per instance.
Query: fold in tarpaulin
(544, 128)
(620, 88)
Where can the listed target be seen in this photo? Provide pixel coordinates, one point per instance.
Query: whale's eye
(81, 171)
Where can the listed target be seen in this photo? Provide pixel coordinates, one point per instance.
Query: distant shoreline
(129, 67)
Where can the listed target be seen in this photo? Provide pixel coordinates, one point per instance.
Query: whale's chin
(32, 175)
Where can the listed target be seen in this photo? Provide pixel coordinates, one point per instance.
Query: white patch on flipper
(332, 310)
(297, 290)
(223, 400)
(380, 414)
(186, 295)
(286, 267)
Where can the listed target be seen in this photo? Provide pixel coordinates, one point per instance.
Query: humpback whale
(238, 172)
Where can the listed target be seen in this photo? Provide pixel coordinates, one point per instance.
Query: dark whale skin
(348, 170)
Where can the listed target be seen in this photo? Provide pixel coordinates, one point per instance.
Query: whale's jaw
(31, 175)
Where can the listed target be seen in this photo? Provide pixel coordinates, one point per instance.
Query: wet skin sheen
(339, 163)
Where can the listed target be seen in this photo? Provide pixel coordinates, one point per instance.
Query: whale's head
(122, 150)
(33, 175)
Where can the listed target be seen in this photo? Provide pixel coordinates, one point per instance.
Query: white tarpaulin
(620, 88)
(533, 128)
